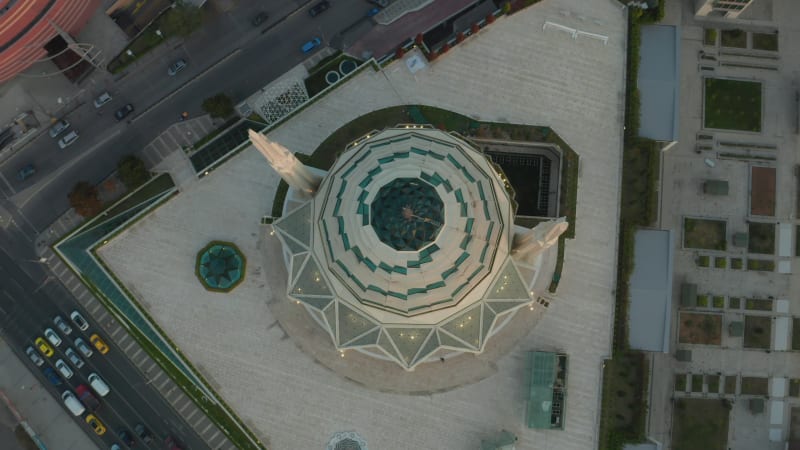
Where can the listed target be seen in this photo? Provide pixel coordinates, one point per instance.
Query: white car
(74, 358)
(81, 345)
(101, 100)
(64, 369)
(79, 320)
(68, 139)
(62, 325)
(98, 385)
(52, 336)
(58, 128)
(35, 358)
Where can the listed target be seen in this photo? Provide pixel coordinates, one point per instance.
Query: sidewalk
(43, 412)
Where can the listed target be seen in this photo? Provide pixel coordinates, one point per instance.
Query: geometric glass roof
(220, 266)
(405, 248)
(407, 214)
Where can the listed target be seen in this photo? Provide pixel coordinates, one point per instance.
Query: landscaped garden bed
(762, 191)
(732, 104)
(758, 304)
(737, 263)
(700, 424)
(754, 385)
(734, 38)
(757, 331)
(680, 382)
(697, 383)
(703, 261)
(624, 392)
(706, 234)
(700, 328)
(713, 384)
(763, 265)
(734, 303)
(710, 36)
(765, 41)
(761, 238)
(720, 262)
(730, 384)
(795, 333)
(719, 301)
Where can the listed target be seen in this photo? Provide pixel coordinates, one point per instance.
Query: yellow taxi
(96, 425)
(44, 347)
(99, 344)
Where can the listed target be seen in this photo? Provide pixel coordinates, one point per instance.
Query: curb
(183, 86)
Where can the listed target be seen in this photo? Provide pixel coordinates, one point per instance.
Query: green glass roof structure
(404, 250)
(220, 266)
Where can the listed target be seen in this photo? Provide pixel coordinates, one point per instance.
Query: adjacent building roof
(715, 187)
(651, 291)
(658, 82)
(547, 390)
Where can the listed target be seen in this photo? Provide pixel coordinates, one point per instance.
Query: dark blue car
(52, 376)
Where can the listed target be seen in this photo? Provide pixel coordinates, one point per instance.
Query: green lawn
(761, 238)
(315, 83)
(755, 386)
(700, 424)
(764, 265)
(703, 261)
(758, 304)
(624, 391)
(734, 38)
(765, 41)
(736, 263)
(704, 234)
(732, 104)
(720, 262)
(719, 301)
(757, 331)
(639, 177)
(710, 36)
(697, 383)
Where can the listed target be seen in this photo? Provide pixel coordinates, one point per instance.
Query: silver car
(69, 139)
(87, 352)
(35, 358)
(176, 67)
(74, 358)
(64, 369)
(58, 128)
(62, 325)
(52, 336)
(101, 100)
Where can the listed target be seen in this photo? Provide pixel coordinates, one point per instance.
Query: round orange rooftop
(27, 25)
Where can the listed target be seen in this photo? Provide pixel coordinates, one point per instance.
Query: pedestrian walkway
(34, 403)
(179, 136)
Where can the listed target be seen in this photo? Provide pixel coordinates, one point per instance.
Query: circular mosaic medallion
(407, 214)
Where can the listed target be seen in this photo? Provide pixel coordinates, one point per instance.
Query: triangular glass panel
(293, 246)
(352, 324)
(370, 338)
(500, 307)
(297, 264)
(446, 339)
(428, 348)
(466, 326)
(526, 273)
(487, 319)
(330, 317)
(408, 340)
(386, 344)
(316, 302)
(310, 281)
(297, 223)
(508, 285)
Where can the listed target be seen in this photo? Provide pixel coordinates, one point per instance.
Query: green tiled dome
(407, 214)
(220, 266)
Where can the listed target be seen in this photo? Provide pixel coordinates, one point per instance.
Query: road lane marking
(138, 351)
(194, 411)
(132, 343)
(55, 175)
(185, 405)
(214, 436)
(96, 307)
(160, 388)
(198, 421)
(210, 424)
(117, 330)
(10, 188)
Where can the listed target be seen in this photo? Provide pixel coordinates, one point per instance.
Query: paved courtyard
(513, 71)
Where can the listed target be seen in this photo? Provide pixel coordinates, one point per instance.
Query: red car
(171, 445)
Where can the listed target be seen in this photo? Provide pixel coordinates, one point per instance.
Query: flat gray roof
(651, 291)
(658, 82)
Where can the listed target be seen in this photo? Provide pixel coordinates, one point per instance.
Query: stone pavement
(683, 172)
(512, 72)
(42, 410)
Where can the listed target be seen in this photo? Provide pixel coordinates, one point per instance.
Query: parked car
(52, 336)
(51, 376)
(143, 433)
(76, 317)
(86, 397)
(98, 385)
(34, 357)
(115, 447)
(125, 437)
(74, 358)
(311, 45)
(373, 11)
(26, 172)
(170, 443)
(44, 347)
(97, 426)
(73, 404)
(123, 112)
(58, 128)
(80, 344)
(175, 67)
(62, 325)
(99, 344)
(69, 139)
(259, 18)
(102, 99)
(64, 369)
(319, 8)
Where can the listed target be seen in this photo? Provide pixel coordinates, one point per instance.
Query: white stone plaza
(513, 71)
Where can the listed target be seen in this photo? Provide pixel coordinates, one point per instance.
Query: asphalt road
(261, 58)
(28, 303)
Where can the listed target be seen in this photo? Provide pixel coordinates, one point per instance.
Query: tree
(132, 172)
(181, 20)
(219, 105)
(84, 198)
